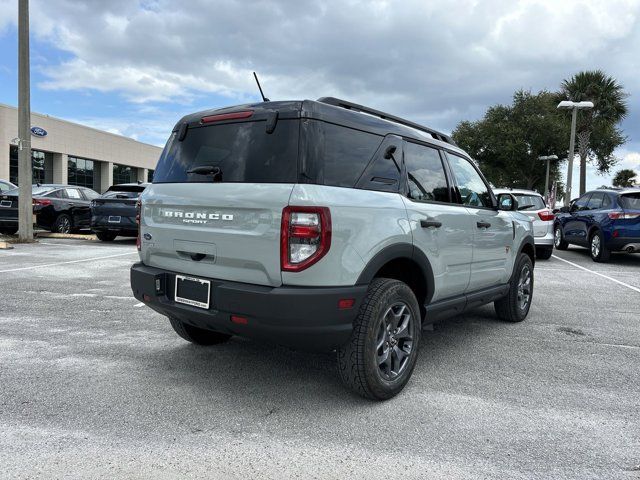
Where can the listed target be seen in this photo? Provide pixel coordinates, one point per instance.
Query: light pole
(547, 158)
(573, 106)
(25, 170)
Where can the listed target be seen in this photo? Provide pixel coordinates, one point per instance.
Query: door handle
(428, 223)
(483, 224)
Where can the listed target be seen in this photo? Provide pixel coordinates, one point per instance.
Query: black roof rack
(386, 116)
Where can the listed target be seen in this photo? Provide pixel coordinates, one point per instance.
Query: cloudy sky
(135, 66)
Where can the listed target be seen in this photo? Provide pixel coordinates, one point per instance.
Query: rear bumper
(301, 317)
(622, 243)
(545, 240)
(127, 225)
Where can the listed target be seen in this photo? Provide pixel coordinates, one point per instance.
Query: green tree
(597, 130)
(624, 178)
(508, 140)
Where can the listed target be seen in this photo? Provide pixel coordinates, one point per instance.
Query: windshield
(630, 201)
(529, 202)
(235, 152)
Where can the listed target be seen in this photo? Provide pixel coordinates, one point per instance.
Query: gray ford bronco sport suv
(326, 225)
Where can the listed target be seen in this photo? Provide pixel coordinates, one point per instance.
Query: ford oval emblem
(38, 132)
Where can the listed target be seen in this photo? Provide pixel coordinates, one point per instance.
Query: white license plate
(5, 203)
(114, 219)
(193, 291)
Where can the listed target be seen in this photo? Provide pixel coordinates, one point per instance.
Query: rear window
(529, 202)
(239, 152)
(630, 201)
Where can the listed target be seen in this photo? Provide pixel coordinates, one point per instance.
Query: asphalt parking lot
(95, 385)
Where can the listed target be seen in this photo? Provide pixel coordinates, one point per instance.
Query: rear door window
(73, 193)
(239, 152)
(426, 179)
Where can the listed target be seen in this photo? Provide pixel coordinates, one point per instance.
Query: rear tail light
(41, 202)
(623, 215)
(305, 237)
(226, 116)
(546, 215)
(138, 211)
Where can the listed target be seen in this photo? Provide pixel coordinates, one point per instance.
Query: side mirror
(507, 202)
(565, 209)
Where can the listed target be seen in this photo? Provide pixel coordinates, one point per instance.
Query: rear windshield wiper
(207, 170)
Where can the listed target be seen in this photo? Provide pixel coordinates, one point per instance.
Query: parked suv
(114, 212)
(532, 204)
(326, 225)
(604, 221)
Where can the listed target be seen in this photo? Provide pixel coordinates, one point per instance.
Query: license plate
(193, 291)
(114, 219)
(5, 203)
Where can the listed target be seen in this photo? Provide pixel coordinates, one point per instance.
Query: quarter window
(425, 174)
(473, 190)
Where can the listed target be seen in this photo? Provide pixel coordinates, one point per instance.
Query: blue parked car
(604, 221)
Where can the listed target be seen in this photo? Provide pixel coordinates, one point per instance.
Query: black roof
(336, 111)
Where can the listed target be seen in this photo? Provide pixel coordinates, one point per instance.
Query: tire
(597, 249)
(544, 253)
(62, 224)
(9, 230)
(514, 307)
(196, 335)
(106, 236)
(558, 238)
(389, 308)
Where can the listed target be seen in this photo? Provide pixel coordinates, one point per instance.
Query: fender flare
(528, 240)
(394, 252)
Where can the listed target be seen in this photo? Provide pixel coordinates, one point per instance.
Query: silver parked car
(326, 225)
(532, 204)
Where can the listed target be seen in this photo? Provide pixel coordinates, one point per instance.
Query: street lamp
(547, 158)
(573, 106)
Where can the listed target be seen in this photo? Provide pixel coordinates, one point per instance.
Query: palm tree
(624, 178)
(597, 129)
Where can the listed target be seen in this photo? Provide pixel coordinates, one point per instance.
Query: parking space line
(631, 287)
(66, 263)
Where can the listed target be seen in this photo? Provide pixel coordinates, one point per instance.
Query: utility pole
(25, 173)
(547, 158)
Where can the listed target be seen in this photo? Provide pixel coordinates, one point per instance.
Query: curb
(5, 246)
(76, 236)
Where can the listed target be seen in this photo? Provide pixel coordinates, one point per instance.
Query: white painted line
(137, 305)
(66, 263)
(631, 287)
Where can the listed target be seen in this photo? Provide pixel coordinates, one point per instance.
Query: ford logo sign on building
(38, 132)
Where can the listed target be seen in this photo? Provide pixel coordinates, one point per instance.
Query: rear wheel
(62, 224)
(378, 360)
(8, 230)
(515, 306)
(106, 236)
(196, 335)
(597, 248)
(544, 253)
(558, 239)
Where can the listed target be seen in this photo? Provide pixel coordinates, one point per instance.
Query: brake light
(305, 237)
(226, 116)
(623, 215)
(138, 210)
(546, 215)
(41, 202)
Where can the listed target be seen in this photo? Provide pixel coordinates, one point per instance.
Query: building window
(38, 161)
(81, 172)
(121, 174)
(150, 176)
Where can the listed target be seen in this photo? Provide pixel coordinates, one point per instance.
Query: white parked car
(532, 204)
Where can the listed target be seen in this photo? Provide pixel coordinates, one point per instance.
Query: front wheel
(514, 307)
(196, 335)
(378, 360)
(599, 251)
(558, 239)
(8, 230)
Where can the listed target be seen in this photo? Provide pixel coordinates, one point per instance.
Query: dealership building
(69, 153)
